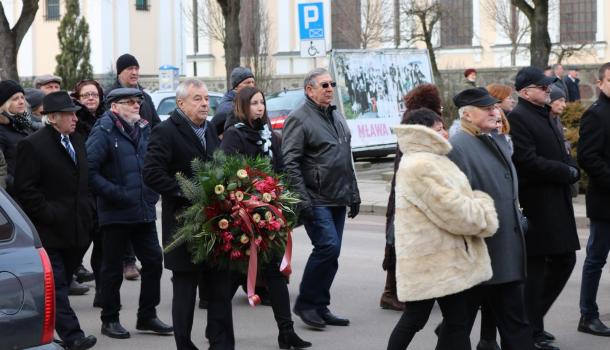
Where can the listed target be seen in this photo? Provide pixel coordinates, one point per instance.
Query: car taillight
(278, 122)
(48, 326)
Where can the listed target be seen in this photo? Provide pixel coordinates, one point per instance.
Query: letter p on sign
(311, 15)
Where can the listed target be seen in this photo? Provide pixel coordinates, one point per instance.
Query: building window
(578, 21)
(142, 5)
(456, 23)
(52, 10)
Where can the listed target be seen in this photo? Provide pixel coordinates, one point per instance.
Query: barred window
(456, 23)
(142, 5)
(52, 10)
(578, 20)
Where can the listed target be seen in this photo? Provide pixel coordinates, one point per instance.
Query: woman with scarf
(15, 124)
(88, 94)
(251, 137)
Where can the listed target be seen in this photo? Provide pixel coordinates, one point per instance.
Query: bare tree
(376, 24)
(537, 13)
(562, 51)
(11, 38)
(206, 17)
(509, 21)
(255, 32)
(422, 17)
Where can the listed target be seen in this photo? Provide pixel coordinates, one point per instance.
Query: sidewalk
(375, 190)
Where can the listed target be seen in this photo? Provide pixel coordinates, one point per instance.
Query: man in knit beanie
(240, 78)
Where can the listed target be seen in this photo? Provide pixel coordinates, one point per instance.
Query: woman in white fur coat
(440, 225)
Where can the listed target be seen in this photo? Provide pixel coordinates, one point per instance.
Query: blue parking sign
(311, 20)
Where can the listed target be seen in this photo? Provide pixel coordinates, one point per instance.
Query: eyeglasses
(545, 88)
(130, 102)
(90, 95)
(325, 85)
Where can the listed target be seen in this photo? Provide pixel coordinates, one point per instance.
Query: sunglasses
(544, 88)
(326, 84)
(130, 102)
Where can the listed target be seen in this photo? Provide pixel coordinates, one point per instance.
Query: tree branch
(28, 13)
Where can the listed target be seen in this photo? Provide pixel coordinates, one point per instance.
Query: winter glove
(574, 174)
(354, 209)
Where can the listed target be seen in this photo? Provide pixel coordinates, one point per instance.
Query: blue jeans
(597, 253)
(325, 232)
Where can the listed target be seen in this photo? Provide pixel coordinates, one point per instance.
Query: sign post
(311, 29)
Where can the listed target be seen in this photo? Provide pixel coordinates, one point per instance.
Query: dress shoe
(593, 326)
(155, 325)
(83, 275)
(83, 343)
(390, 302)
(290, 340)
(310, 317)
(333, 320)
(544, 345)
(547, 336)
(77, 288)
(488, 345)
(115, 330)
(130, 272)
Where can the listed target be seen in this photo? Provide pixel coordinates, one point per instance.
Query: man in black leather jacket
(318, 164)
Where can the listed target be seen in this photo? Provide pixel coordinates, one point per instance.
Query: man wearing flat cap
(51, 187)
(126, 211)
(128, 76)
(47, 83)
(485, 159)
(240, 78)
(546, 172)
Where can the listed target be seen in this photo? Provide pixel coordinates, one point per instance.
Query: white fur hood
(419, 138)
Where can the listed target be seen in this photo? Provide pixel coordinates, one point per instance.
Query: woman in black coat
(251, 136)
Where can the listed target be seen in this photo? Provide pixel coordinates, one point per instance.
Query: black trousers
(64, 262)
(507, 304)
(97, 257)
(219, 330)
(454, 334)
(546, 278)
(143, 238)
(488, 323)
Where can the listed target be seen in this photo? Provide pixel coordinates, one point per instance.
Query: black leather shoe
(333, 320)
(544, 345)
(154, 325)
(290, 340)
(83, 275)
(77, 288)
(310, 317)
(547, 336)
(115, 330)
(83, 343)
(488, 345)
(593, 326)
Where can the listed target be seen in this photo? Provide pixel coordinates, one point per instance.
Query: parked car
(165, 102)
(27, 290)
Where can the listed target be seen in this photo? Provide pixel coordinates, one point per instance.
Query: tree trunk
(540, 42)
(232, 44)
(438, 81)
(513, 54)
(11, 38)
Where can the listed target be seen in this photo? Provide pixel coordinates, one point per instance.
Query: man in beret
(128, 75)
(47, 83)
(126, 210)
(51, 187)
(240, 78)
(546, 172)
(485, 158)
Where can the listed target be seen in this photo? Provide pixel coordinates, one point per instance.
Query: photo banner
(371, 85)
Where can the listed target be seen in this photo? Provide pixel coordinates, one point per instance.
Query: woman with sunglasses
(251, 137)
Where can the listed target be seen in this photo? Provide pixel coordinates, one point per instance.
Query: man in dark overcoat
(545, 172)
(485, 159)
(51, 186)
(174, 143)
(594, 158)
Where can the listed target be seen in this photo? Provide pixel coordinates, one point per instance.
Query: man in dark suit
(484, 157)
(51, 186)
(546, 172)
(572, 84)
(174, 143)
(594, 158)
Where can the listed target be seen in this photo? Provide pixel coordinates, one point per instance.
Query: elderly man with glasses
(126, 211)
(318, 162)
(545, 171)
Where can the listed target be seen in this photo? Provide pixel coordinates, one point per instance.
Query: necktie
(66, 141)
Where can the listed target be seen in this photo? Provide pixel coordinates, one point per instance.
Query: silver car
(165, 102)
(27, 290)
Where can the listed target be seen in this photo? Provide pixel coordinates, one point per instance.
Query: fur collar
(419, 138)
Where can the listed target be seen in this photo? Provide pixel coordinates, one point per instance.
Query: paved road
(355, 294)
